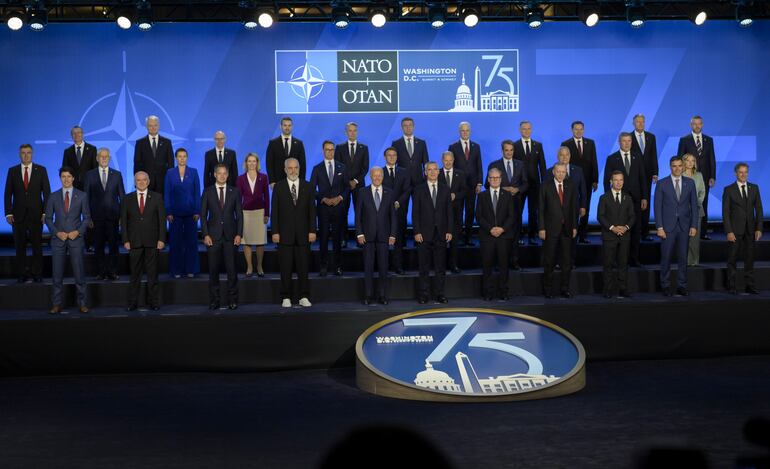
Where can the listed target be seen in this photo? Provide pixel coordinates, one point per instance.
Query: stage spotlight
(266, 18)
(534, 17)
(38, 18)
(124, 20)
(743, 15)
(144, 16)
(436, 16)
(341, 17)
(378, 18)
(590, 15)
(699, 17)
(15, 21)
(470, 17)
(635, 15)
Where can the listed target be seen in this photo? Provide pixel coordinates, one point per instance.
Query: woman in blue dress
(182, 197)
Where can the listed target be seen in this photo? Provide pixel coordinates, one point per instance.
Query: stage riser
(469, 258)
(351, 287)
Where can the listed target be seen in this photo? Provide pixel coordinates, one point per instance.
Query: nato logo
(468, 355)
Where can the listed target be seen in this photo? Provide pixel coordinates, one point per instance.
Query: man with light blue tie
(67, 217)
(676, 218)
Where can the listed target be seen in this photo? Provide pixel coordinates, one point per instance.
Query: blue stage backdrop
(203, 77)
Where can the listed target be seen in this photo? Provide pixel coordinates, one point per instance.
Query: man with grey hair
(105, 192)
(293, 222)
(154, 155)
(558, 216)
(80, 157)
(468, 160)
(355, 156)
(644, 143)
(220, 155)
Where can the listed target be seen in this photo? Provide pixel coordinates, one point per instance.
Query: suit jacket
(425, 217)
(401, 184)
(87, 162)
(156, 166)
(26, 203)
(319, 181)
(221, 223)
(612, 213)
(76, 219)
(739, 216)
(587, 161)
(650, 156)
(212, 160)
(575, 174)
(414, 164)
(257, 199)
(519, 179)
(182, 197)
(471, 167)
(104, 202)
(459, 185)
(534, 166)
(670, 212)
(505, 217)
(552, 215)
(358, 164)
(293, 223)
(143, 230)
(635, 183)
(706, 160)
(276, 156)
(376, 225)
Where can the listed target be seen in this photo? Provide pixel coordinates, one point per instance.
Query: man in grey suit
(67, 217)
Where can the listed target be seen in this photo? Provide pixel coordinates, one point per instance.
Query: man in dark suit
(412, 152)
(702, 147)
(531, 153)
(154, 155)
(398, 180)
(514, 181)
(468, 160)
(456, 181)
(67, 217)
(330, 181)
(676, 220)
(574, 175)
(433, 222)
(80, 157)
(105, 192)
(376, 226)
(26, 192)
(742, 216)
(616, 216)
(496, 212)
(583, 151)
(354, 155)
(557, 222)
(220, 155)
(143, 220)
(280, 149)
(644, 143)
(631, 165)
(222, 229)
(292, 217)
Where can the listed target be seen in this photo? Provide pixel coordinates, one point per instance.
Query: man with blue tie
(376, 226)
(398, 180)
(330, 180)
(67, 217)
(514, 181)
(104, 189)
(222, 229)
(354, 156)
(676, 218)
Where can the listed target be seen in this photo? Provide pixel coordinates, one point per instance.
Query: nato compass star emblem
(307, 82)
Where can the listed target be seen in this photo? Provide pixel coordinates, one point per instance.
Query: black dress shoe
(752, 291)
(566, 294)
(399, 271)
(232, 306)
(732, 291)
(338, 272)
(607, 295)
(422, 300)
(456, 270)
(667, 292)
(383, 300)
(213, 305)
(367, 301)
(101, 277)
(260, 274)
(155, 307)
(442, 299)
(131, 308)
(505, 297)
(548, 296)
(682, 291)
(113, 277)
(322, 273)
(624, 294)
(21, 280)
(516, 266)
(487, 298)
(38, 279)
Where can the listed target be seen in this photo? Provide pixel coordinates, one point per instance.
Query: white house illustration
(494, 101)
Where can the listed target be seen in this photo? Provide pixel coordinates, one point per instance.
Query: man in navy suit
(354, 156)
(513, 175)
(498, 217)
(330, 180)
(154, 155)
(433, 223)
(644, 144)
(80, 157)
(455, 180)
(468, 160)
(702, 146)
(67, 218)
(631, 165)
(280, 149)
(412, 152)
(583, 151)
(676, 218)
(376, 226)
(531, 153)
(105, 192)
(219, 155)
(397, 179)
(222, 229)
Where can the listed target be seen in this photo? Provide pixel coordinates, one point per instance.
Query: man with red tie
(468, 160)
(557, 220)
(583, 151)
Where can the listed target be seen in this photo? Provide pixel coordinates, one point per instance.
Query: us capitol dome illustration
(435, 379)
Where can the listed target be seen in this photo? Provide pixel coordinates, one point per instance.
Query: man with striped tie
(702, 147)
